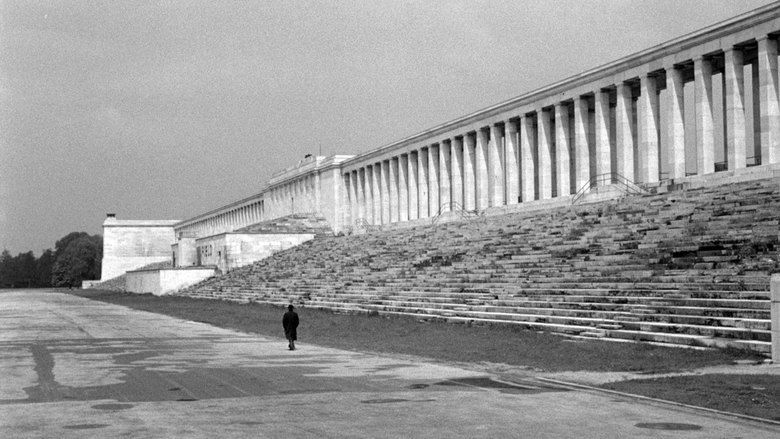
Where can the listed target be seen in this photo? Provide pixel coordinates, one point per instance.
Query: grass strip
(753, 395)
(451, 342)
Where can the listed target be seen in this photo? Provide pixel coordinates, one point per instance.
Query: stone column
(353, 197)
(480, 160)
(355, 184)
(705, 135)
(445, 160)
(674, 88)
(348, 209)
(456, 171)
(469, 190)
(393, 193)
(318, 192)
(581, 147)
(369, 176)
(770, 106)
(734, 93)
(624, 133)
(376, 193)
(385, 191)
(433, 180)
(413, 188)
(527, 158)
(368, 204)
(648, 151)
(496, 165)
(755, 115)
(512, 163)
(403, 187)
(422, 183)
(603, 165)
(544, 149)
(362, 193)
(562, 149)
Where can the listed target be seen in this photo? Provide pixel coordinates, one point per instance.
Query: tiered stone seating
(291, 224)
(689, 267)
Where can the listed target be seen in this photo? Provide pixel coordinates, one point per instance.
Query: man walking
(290, 323)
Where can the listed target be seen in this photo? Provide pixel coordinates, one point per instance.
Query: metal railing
(363, 224)
(457, 209)
(614, 179)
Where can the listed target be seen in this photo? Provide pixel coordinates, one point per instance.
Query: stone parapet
(167, 280)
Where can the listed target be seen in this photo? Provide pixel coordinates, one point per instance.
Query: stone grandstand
(689, 267)
(612, 204)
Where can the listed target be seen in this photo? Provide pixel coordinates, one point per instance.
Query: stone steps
(680, 267)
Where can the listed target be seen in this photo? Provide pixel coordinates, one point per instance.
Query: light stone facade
(227, 251)
(627, 118)
(131, 244)
(619, 120)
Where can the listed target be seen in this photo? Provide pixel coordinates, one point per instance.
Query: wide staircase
(686, 268)
(299, 223)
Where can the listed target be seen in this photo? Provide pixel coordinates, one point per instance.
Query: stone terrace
(687, 267)
(291, 224)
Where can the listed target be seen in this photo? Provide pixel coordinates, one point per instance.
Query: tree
(43, 268)
(77, 257)
(25, 269)
(6, 269)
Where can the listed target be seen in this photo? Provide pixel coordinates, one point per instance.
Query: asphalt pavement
(72, 367)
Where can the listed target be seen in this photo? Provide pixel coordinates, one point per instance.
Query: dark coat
(290, 323)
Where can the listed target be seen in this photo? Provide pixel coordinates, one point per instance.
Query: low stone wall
(165, 281)
(229, 251)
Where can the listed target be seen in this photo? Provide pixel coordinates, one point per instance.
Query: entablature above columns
(710, 40)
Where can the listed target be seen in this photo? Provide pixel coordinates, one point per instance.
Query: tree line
(77, 256)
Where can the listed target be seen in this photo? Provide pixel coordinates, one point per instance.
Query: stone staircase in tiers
(291, 224)
(686, 268)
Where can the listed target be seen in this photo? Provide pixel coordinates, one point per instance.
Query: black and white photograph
(389, 219)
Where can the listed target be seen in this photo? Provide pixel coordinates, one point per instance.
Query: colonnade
(225, 220)
(698, 105)
(296, 195)
(708, 108)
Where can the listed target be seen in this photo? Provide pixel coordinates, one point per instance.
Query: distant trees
(23, 270)
(76, 257)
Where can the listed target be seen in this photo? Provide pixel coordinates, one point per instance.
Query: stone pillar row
(556, 149)
(231, 220)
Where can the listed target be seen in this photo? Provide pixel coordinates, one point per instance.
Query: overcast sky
(163, 110)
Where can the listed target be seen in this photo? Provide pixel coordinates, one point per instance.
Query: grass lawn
(754, 395)
(452, 342)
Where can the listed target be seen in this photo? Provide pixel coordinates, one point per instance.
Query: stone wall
(228, 251)
(165, 281)
(131, 244)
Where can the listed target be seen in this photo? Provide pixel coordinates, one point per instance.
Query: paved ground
(71, 367)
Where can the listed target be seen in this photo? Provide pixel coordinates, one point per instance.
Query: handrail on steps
(612, 178)
(455, 208)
